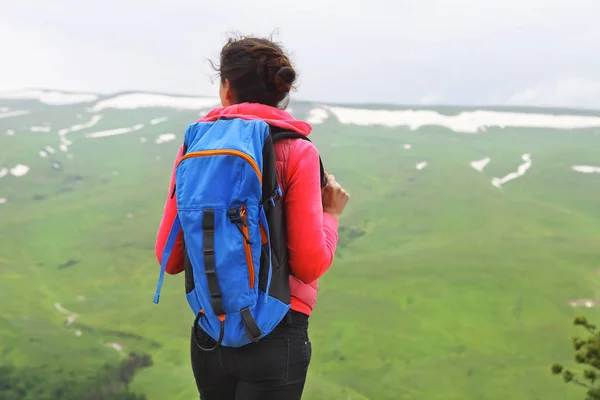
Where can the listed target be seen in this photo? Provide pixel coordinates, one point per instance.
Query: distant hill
(470, 243)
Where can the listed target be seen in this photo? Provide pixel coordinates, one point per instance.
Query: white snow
(157, 121)
(3, 200)
(116, 346)
(95, 119)
(317, 116)
(422, 165)
(407, 146)
(588, 303)
(40, 129)
(140, 100)
(4, 109)
(61, 308)
(498, 182)
(50, 150)
(65, 141)
(63, 147)
(14, 114)
(143, 140)
(586, 169)
(54, 98)
(56, 165)
(19, 170)
(479, 165)
(70, 319)
(113, 132)
(165, 137)
(3, 172)
(43, 153)
(72, 316)
(77, 333)
(466, 122)
(10, 132)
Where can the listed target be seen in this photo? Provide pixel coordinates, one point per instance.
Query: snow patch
(113, 132)
(40, 129)
(165, 137)
(10, 132)
(14, 114)
(479, 165)
(498, 182)
(317, 116)
(586, 169)
(72, 316)
(465, 122)
(43, 153)
(3, 172)
(54, 98)
(422, 165)
(50, 150)
(60, 308)
(4, 109)
(407, 146)
(19, 170)
(63, 147)
(143, 140)
(77, 333)
(157, 121)
(3, 200)
(56, 165)
(588, 303)
(116, 346)
(141, 100)
(79, 127)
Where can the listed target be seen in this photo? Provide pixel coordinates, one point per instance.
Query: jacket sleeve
(175, 262)
(312, 234)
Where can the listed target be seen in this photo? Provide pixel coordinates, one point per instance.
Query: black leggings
(272, 369)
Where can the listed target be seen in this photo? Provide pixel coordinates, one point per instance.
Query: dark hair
(258, 71)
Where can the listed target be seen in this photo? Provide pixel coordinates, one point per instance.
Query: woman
(256, 78)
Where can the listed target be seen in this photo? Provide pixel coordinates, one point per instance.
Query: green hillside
(444, 286)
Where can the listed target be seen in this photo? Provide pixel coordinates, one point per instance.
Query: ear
(228, 94)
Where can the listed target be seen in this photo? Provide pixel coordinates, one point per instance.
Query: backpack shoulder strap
(277, 135)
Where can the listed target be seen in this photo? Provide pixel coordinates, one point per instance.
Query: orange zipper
(225, 152)
(247, 248)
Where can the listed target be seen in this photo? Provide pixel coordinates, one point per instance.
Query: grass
(444, 287)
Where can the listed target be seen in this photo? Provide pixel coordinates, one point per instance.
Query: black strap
(195, 334)
(210, 267)
(280, 135)
(252, 330)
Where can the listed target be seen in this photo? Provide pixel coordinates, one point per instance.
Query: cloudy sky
(531, 52)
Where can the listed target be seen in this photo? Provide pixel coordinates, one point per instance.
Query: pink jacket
(312, 234)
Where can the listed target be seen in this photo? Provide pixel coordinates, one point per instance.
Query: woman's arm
(312, 233)
(175, 262)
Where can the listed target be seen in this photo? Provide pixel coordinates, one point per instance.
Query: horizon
(108, 94)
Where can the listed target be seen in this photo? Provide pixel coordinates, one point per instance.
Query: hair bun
(284, 79)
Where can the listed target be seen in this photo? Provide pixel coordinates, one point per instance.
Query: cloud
(407, 51)
(567, 92)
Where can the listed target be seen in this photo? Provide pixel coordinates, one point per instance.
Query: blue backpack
(235, 253)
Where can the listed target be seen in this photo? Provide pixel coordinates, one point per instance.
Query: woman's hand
(335, 197)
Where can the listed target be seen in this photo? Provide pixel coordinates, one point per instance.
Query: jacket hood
(251, 111)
